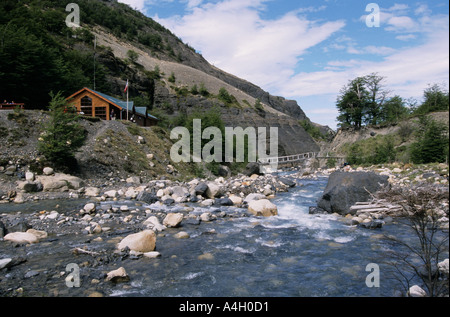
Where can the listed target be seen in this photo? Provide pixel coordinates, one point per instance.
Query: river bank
(86, 225)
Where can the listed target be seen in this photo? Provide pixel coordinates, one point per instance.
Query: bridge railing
(285, 159)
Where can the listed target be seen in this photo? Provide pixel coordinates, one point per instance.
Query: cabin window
(86, 106)
(100, 112)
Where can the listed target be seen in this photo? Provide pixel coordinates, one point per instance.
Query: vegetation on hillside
(425, 141)
(40, 54)
(313, 130)
(366, 101)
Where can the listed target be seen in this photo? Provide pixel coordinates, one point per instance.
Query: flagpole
(95, 46)
(127, 100)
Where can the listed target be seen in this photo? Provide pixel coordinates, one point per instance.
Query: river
(293, 254)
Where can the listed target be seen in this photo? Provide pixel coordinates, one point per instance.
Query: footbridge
(299, 160)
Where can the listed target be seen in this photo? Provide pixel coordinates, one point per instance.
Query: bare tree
(415, 258)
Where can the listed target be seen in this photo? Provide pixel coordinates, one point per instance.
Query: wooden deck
(11, 106)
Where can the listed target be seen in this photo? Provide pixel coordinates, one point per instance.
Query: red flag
(126, 87)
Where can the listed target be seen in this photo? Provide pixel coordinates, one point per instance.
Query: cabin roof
(117, 102)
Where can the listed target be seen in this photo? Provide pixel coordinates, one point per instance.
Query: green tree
(432, 142)
(362, 101)
(394, 110)
(351, 103)
(377, 95)
(29, 69)
(62, 135)
(436, 98)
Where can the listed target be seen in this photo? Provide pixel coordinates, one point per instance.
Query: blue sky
(308, 50)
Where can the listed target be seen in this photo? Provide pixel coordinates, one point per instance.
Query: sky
(308, 50)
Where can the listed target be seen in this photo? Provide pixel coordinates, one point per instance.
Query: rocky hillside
(171, 93)
(112, 150)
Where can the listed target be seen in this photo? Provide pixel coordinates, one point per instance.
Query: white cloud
(193, 3)
(406, 37)
(408, 71)
(311, 9)
(135, 4)
(422, 9)
(401, 24)
(234, 37)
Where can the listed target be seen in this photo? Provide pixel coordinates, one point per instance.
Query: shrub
(203, 91)
(225, 96)
(258, 105)
(312, 130)
(133, 56)
(194, 90)
(172, 78)
(377, 150)
(62, 135)
(432, 143)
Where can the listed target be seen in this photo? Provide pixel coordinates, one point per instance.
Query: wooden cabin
(92, 103)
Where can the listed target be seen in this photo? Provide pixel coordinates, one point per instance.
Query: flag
(126, 87)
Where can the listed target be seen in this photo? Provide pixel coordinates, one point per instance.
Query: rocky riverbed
(100, 226)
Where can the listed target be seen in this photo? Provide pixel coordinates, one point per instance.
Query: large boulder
(91, 191)
(213, 190)
(173, 220)
(59, 182)
(288, 182)
(154, 224)
(201, 188)
(416, 291)
(262, 207)
(179, 191)
(252, 168)
(118, 276)
(254, 196)
(30, 186)
(21, 237)
(147, 197)
(144, 241)
(443, 267)
(224, 202)
(345, 189)
(224, 171)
